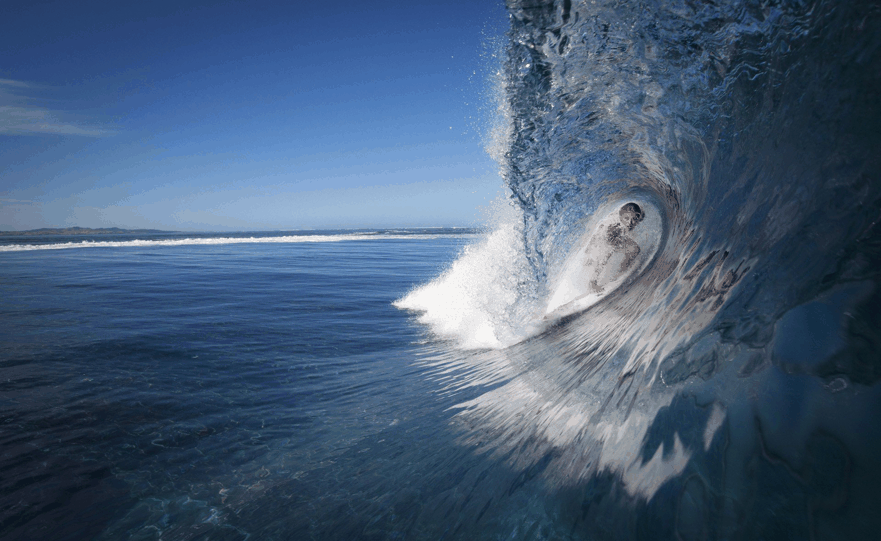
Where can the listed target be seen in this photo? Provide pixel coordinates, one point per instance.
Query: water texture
(729, 389)
(220, 391)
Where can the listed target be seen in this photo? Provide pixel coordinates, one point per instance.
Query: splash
(475, 303)
(695, 391)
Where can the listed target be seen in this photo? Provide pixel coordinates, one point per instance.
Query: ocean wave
(752, 130)
(215, 241)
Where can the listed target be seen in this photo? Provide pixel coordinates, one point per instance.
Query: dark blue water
(402, 385)
(263, 391)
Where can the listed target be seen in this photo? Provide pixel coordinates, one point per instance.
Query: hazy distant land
(80, 231)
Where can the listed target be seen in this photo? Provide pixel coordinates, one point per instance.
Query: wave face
(728, 387)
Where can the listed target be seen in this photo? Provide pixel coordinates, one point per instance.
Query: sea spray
(478, 302)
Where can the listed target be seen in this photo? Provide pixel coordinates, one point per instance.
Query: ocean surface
(704, 367)
(156, 388)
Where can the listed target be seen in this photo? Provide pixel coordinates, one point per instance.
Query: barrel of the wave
(616, 246)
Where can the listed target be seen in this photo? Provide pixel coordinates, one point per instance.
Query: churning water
(725, 387)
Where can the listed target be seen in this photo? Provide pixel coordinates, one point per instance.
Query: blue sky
(246, 115)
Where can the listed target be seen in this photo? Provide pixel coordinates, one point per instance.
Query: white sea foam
(483, 300)
(210, 241)
(475, 301)
(479, 301)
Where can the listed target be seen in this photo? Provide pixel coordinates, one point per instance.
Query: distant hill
(80, 231)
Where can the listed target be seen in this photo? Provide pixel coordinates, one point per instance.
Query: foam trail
(212, 241)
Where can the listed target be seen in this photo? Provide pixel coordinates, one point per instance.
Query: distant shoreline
(80, 231)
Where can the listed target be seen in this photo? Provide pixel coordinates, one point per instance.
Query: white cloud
(10, 82)
(19, 118)
(15, 201)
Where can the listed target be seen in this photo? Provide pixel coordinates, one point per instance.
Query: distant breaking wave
(213, 241)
